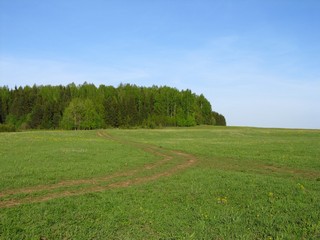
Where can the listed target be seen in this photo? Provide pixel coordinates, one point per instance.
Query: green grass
(248, 183)
(46, 157)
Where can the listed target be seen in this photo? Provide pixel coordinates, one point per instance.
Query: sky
(256, 61)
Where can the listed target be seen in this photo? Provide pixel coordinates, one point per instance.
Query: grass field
(176, 183)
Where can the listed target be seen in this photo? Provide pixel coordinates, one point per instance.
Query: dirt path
(178, 162)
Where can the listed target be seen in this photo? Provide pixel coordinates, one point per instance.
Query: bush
(7, 128)
(24, 126)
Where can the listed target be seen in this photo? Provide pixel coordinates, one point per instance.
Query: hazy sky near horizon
(256, 61)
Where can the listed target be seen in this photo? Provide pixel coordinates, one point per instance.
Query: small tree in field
(81, 114)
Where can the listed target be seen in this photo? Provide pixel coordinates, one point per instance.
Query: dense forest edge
(86, 106)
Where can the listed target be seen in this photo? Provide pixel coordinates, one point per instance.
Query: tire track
(94, 184)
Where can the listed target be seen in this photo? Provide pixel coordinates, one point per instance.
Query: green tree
(73, 115)
(86, 107)
(81, 114)
(219, 119)
(5, 98)
(203, 111)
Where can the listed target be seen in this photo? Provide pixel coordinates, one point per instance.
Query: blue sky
(257, 61)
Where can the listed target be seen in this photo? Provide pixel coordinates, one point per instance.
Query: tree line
(89, 107)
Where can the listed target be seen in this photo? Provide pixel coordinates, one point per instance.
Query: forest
(86, 106)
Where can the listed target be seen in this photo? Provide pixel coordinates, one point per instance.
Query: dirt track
(176, 161)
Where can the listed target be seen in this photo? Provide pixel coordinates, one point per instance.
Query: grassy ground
(247, 183)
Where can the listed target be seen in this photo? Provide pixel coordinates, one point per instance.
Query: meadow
(172, 183)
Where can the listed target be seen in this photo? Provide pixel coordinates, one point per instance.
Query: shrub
(7, 128)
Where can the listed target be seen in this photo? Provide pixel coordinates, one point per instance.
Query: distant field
(175, 183)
